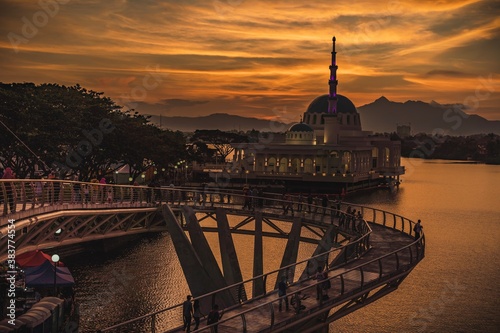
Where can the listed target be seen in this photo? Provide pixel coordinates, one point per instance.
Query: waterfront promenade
(368, 260)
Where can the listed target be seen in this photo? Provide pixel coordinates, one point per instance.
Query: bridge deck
(383, 241)
(55, 220)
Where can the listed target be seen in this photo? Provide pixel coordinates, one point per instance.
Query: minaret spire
(332, 95)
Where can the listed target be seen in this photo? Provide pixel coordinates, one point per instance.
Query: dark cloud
(450, 73)
(209, 63)
(376, 83)
(467, 18)
(281, 106)
(209, 53)
(478, 56)
(179, 103)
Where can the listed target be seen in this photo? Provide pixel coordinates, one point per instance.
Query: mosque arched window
(308, 166)
(283, 164)
(271, 164)
(346, 160)
(374, 157)
(295, 165)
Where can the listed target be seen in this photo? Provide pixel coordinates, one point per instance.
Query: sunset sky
(255, 58)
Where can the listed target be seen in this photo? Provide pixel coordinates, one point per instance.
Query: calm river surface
(454, 289)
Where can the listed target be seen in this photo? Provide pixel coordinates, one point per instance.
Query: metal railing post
(153, 323)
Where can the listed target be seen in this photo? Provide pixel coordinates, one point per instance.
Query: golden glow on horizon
(251, 57)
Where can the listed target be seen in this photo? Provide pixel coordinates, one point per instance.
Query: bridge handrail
(241, 314)
(314, 284)
(35, 194)
(236, 285)
(20, 185)
(326, 254)
(41, 192)
(33, 217)
(418, 243)
(253, 279)
(141, 196)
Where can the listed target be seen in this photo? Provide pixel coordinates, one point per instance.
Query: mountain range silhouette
(380, 116)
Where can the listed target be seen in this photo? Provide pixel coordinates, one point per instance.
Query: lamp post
(246, 176)
(55, 259)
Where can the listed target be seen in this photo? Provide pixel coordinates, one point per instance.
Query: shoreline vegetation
(84, 134)
(479, 148)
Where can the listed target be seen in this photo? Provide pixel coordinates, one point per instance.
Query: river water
(454, 289)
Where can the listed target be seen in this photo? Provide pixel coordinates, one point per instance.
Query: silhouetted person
(319, 286)
(297, 302)
(214, 316)
(187, 311)
(196, 313)
(324, 203)
(309, 202)
(282, 292)
(9, 188)
(418, 229)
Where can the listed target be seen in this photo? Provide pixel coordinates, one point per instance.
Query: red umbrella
(34, 258)
(45, 275)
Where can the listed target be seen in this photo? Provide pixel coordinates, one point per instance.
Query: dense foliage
(78, 131)
(222, 142)
(481, 147)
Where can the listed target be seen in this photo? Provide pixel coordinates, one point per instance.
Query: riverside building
(327, 150)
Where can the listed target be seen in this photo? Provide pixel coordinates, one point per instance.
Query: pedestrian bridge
(366, 258)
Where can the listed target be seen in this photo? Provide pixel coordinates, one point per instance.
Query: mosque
(328, 149)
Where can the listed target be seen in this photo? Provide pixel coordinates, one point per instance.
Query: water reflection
(458, 204)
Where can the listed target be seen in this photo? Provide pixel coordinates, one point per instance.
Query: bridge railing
(25, 195)
(22, 195)
(21, 198)
(350, 284)
(78, 196)
(168, 319)
(345, 284)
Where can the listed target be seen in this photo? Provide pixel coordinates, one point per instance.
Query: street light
(246, 176)
(55, 259)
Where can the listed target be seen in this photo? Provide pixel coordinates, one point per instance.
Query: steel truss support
(74, 226)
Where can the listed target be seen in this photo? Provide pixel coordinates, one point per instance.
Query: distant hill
(221, 121)
(383, 115)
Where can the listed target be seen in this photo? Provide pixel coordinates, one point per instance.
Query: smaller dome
(300, 127)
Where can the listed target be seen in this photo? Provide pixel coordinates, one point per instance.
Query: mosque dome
(320, 105)
(300, 127)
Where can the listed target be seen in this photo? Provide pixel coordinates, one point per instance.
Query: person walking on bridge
(319, 286)
(196, 313)
(282, 292)
(9, 200)
(187, 312)
(418, 229)
(214, 316)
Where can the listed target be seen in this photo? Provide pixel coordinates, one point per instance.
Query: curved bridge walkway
(365, 258)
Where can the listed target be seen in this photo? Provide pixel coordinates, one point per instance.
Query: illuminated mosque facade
(327, 146)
